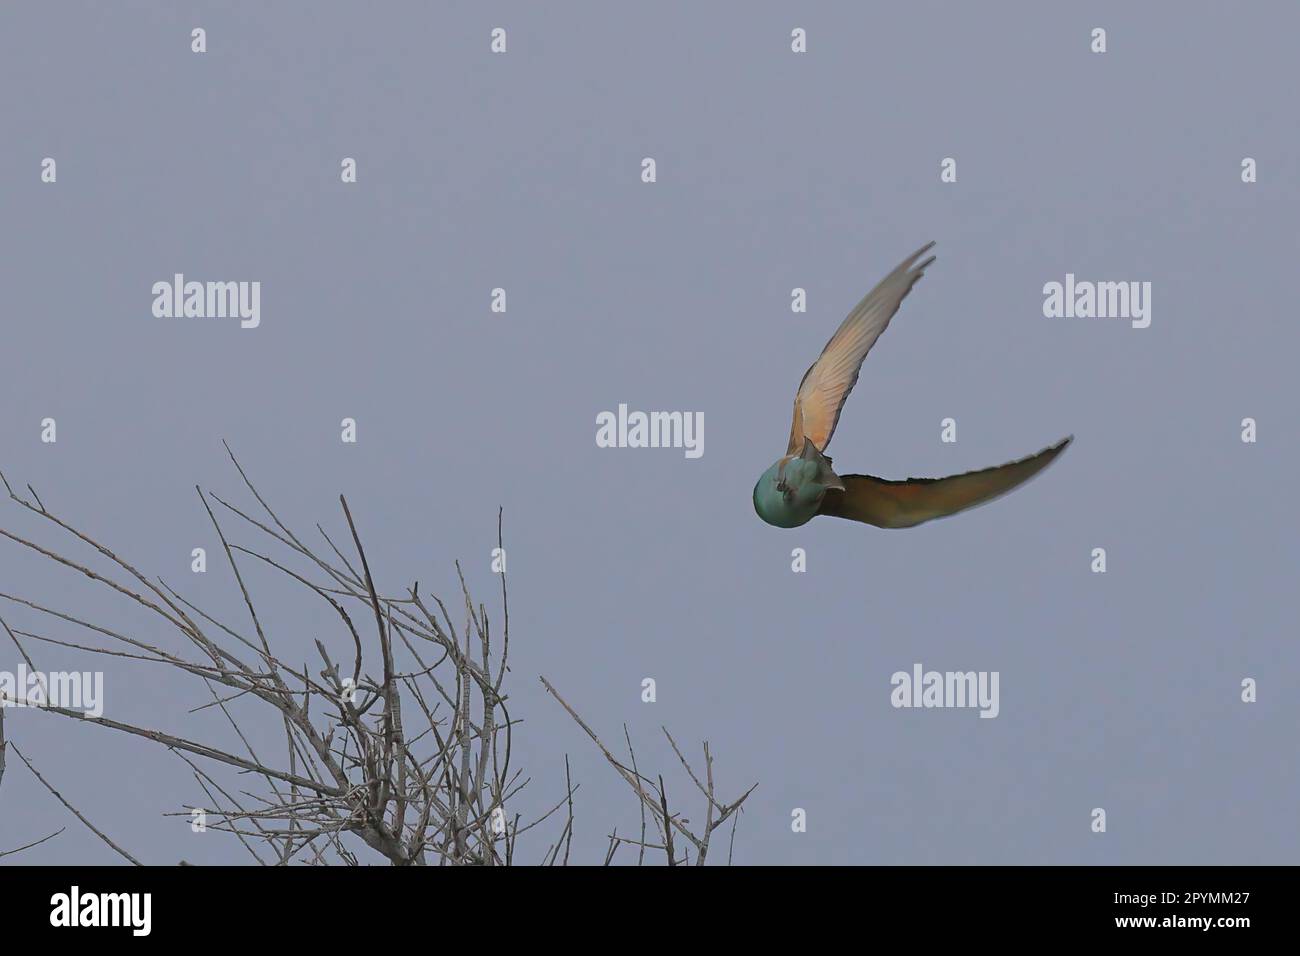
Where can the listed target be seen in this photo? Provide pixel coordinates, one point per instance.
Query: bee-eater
(802, 483)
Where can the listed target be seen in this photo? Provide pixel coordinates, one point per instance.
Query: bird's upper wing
(902, 504)
(828, 382)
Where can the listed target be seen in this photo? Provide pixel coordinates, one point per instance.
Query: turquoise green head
(790, 492)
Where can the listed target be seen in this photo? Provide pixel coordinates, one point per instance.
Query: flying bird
(802, 483)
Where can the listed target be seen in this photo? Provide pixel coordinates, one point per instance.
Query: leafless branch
(348, 770)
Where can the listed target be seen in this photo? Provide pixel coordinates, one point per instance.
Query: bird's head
(789, 493)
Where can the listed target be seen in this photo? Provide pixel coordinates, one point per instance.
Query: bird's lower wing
(903, 504)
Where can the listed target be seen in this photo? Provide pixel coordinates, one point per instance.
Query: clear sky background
(775, 170)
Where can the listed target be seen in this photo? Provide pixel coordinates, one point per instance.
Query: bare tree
(399, 737)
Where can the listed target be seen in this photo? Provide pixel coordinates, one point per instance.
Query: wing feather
(829, 380)
(903, 504)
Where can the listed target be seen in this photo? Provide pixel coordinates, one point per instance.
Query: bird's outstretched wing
(828, 382)
(902, 504)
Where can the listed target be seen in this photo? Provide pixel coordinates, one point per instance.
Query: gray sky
(775, 170)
